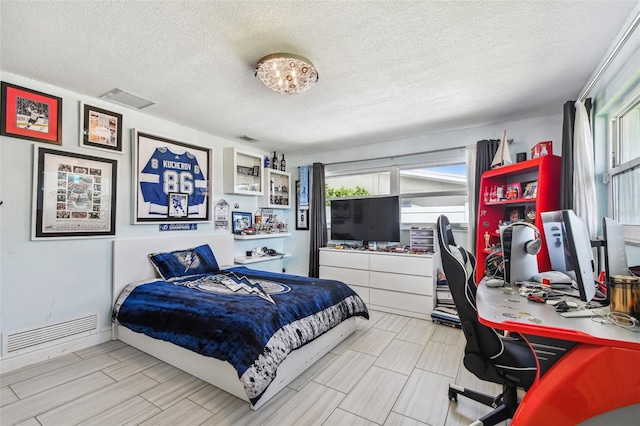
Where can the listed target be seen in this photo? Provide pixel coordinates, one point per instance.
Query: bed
(296, 343)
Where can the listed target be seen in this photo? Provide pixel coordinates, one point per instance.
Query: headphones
(532, 246)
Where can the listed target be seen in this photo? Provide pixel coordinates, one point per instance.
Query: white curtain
(584, 185)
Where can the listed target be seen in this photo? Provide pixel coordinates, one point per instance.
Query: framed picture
(514, 214)
(530, 189)
(178, 204)
(100, 128)
(31, 115)
(530, 213)
(241, 221)
(162, 167)
(302, 214)
(513, 191)
(74, 195)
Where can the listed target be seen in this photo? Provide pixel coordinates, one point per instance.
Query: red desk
(600, 374)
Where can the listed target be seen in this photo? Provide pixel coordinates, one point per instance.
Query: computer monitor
(615, 252)
(569, 248)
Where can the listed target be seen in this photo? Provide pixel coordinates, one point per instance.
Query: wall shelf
(277, 185)
(242, 172)
(244, 260)
(262, 236)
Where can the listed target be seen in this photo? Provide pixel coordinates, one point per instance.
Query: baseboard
(18, 361)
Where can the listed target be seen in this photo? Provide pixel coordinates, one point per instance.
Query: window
(625, 168)
(426, 189)
(361, 184)
(427, 192)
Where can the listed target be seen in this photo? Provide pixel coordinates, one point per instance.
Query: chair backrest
(459, 268)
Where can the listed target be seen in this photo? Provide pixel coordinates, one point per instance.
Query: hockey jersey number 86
(167, 172)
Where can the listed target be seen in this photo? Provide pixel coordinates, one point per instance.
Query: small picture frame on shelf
(513, 191)
(248, 171)
(530, 214)
(241, 221)
(530, 189)
(514, 214)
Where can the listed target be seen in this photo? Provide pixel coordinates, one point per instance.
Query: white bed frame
(131, 264)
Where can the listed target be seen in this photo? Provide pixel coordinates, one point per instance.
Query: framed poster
(302, 212)
(165, 171)
(74, 195)
(100, 128)
(31, 115)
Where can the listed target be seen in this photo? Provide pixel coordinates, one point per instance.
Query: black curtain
(486, 150)
(317, 219)
(566, 177)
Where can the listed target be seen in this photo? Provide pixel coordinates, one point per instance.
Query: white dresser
(390, 282)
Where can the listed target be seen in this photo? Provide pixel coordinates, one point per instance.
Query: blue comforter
(252, 319)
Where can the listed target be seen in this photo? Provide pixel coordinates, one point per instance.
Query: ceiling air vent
(124, 98)
(247, 138)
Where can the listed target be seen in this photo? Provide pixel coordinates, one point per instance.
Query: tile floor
(393, 370)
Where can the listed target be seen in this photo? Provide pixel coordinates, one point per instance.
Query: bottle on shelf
(274, 161)
(283, 164)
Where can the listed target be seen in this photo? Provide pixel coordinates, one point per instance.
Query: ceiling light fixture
(286, 73)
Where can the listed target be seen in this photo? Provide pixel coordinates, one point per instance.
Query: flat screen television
(366, 219)
(569, 248)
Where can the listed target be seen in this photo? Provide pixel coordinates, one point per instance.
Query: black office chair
(508, 361)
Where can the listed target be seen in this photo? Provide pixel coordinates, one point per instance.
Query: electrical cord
(617, 318)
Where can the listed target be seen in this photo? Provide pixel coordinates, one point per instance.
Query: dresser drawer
(402, 301)
(346, 275)
(400, 282)
(409, 265)
(344, 259)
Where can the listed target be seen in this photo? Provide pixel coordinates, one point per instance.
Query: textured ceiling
(388, 69)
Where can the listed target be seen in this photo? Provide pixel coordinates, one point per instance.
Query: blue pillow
(182, 263)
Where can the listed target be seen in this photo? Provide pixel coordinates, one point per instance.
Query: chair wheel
(453, 396)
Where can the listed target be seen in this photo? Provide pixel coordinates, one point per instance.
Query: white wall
(45, 282)
(525, 134)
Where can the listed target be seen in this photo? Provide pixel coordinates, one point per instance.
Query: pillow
(182, 263)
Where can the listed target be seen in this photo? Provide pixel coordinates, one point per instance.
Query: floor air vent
(52, 333)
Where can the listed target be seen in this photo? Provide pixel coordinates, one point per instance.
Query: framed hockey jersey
(172, 180)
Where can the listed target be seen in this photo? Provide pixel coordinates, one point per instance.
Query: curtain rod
(610, 58)
(394, 156)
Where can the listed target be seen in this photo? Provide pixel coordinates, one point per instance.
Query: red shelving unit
(546, 172)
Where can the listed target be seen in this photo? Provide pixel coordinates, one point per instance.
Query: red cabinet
(519, 191)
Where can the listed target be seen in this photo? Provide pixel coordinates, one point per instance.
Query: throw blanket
(252, 319)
